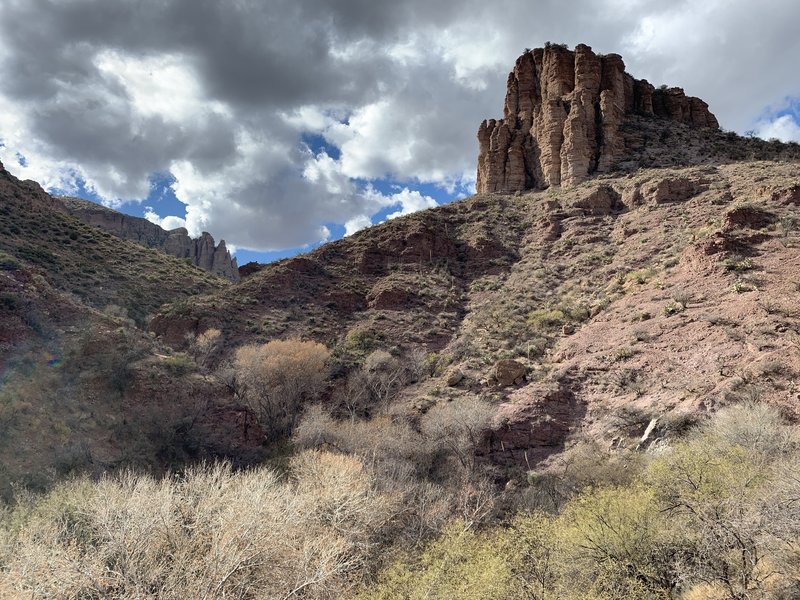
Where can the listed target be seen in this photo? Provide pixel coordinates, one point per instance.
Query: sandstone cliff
(564, 115)
(201, 252)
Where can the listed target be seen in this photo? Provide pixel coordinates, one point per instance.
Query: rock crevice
(563, 115)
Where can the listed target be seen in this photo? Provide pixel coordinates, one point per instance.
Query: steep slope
(97, 267)
(201, 252)
(604, 293)
(403, 280)
(81, 388)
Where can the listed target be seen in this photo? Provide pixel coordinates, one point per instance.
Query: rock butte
(562, 118)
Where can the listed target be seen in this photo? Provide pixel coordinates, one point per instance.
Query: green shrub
(546, 319)
(8, 262)
(179, 363)
(738, 263)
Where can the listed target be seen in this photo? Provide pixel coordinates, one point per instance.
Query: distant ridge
(201, 252)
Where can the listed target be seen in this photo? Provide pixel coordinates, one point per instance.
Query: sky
(278, 125)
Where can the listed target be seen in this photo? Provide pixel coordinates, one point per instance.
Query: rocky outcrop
(563, 118)
(509, 372)
(534, 423)
(201, 252)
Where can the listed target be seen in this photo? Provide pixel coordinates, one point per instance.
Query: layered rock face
(201, 252)
(563, 115)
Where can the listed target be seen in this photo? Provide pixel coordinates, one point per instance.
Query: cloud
(222, 95)
(407, 201)
(168, 223)
(784, 128)
(357, 223)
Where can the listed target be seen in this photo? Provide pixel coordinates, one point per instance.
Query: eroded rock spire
(562, 117)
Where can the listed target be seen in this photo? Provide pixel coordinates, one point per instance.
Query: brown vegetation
(275, 379)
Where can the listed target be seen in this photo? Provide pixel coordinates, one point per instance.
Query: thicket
(716, 516)
(274, 379)
(384, 508)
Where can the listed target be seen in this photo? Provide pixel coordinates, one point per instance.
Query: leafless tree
(274, 379)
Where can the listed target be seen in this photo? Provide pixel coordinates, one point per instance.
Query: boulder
(509, 372)
(790, 195)
(603, 200)
(672, 189)
(747, 217)
(454, 376)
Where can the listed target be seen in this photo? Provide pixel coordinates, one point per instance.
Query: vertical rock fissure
(598, 137)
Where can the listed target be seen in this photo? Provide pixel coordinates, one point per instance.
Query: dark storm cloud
(276, 53)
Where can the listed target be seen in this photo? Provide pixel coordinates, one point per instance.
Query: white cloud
(357, 223)
(159, 86)
(784, 128)
(169, 223)
(409, 201)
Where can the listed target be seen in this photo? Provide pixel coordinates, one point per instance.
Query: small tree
(275, 378)
(203, 346)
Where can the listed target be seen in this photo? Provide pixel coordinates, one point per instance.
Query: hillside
(98, 268)
(201, 252)
(82, 386)
(603, 292)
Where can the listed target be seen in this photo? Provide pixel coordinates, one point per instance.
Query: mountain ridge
(201, 252)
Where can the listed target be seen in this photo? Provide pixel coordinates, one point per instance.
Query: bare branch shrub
(274, 380)
(211, 534)
(458, 428)
(203, 346)
(375, 384)
(754, 426)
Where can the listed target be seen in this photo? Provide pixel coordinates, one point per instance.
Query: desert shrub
(211, 533)
(380, 439)
(375, 383)
(460, 564)
(738, 263)
(432, 469)
(274, 379)
(756, 427)
(204, 346)
(8, 262)
(715, 516)
(729, 490)
(360, 342)
(618, 544)
(457, 428)
(545, 319)
(639, 276)
(179, 363)
(10, 301)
